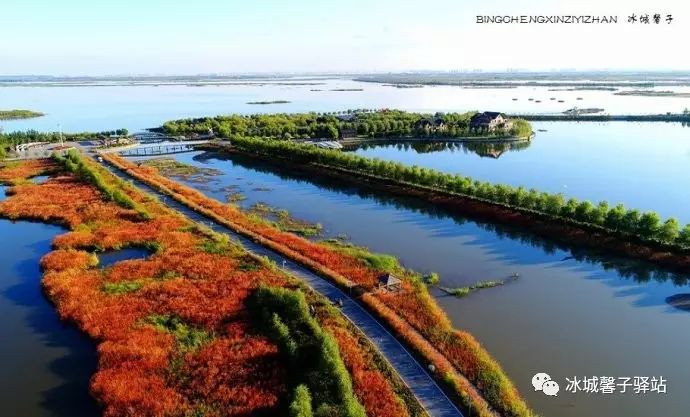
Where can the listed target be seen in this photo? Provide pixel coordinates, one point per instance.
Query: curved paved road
(429, 394)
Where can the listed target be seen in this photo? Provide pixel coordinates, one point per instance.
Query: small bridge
(163, 148)
(154, 137)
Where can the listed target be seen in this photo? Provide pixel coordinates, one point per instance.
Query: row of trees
(11, 139)
(647, 226)
(281, 125)
(314, 361)
(382, 123)
(73, 162)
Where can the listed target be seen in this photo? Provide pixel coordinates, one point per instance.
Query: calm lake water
(642, 165)
(45, 365)
(571, 313)
(109, 258)
(138, 107)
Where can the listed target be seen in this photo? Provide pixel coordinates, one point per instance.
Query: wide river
(571, 313)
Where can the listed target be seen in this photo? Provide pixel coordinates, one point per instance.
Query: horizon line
(379, 72)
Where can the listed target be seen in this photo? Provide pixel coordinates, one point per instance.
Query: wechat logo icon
(543, 382)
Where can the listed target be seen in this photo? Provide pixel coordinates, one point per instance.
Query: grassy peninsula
(19, 114)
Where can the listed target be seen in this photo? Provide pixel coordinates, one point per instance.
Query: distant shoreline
(679, 117)
(269, 102)
(651, 93)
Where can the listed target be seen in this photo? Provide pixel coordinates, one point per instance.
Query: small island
(576, 112)
(269, 102)
(361, 125)
(19, 114)
(652, 93)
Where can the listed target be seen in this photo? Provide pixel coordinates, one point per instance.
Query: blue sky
(77, 37)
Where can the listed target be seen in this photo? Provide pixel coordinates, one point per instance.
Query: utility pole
(60, 132)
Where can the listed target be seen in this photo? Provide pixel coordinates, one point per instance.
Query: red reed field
(174, 336)
(462, 364)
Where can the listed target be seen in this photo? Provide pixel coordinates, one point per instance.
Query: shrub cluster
(74, 163)
(313, 355)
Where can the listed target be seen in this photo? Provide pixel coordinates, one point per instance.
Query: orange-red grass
(11, 172)
(237, 373)
(143, 371)
(414, 315)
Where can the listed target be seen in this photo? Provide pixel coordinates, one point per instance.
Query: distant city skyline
(81, 38)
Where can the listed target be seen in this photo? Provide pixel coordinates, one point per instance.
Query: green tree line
(73, 163)
(321, 380)
(11, 139)
(646, 226)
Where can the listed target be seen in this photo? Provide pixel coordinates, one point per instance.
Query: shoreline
(683, 118)
(457, 139)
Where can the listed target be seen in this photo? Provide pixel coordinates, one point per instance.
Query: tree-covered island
(356, 123)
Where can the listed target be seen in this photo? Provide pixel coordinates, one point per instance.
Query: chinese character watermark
(646, 19)
(603, 385)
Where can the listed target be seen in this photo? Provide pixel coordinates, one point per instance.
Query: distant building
(346, 133)
(210, 134)
(490, 121)
(389, 282)
(115, 140)
(345, 117)
(435, 124)
(491, 153)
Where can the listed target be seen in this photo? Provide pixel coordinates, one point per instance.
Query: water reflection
(679, 301)
(45, 364)
(501, 238)
(40, 179)
(642, 165)
(483, 149)
(109, 258)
